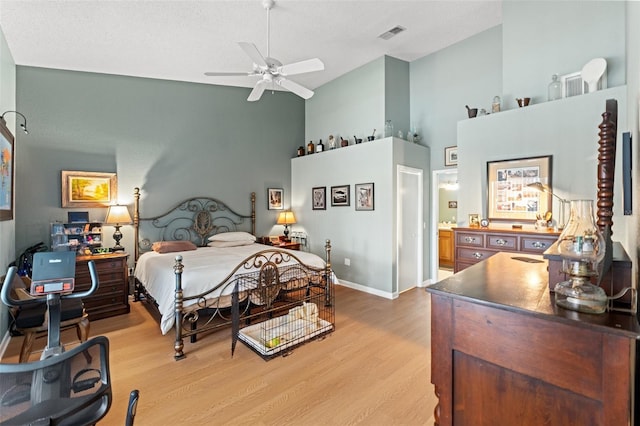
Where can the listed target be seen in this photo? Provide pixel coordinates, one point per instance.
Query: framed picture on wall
(453, 204)
(7, 174)
(451, 156)
(340, 196)
(88, 189)
(364, 196)
(319, 198)
(510, 198)
(275, 198)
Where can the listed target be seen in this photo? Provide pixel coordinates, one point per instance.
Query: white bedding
(203, 268)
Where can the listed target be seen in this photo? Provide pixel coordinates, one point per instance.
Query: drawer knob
(539, 244)
(469, 239)
(501, 242)
(477, 255)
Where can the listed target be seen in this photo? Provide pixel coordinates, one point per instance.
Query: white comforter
(203, 269)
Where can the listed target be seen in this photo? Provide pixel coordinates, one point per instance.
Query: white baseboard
(4, 344)
(365, 289)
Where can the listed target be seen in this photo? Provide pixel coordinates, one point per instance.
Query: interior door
(410, 228)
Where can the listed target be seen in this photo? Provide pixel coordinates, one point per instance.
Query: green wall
(172, 139)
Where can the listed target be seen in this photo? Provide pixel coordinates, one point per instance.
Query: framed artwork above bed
(275, 198)
(6, 172)
(88, 189)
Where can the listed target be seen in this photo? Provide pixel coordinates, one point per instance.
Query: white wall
(365, 237)
(567, 129)
(7, 103)
(441, 84)
(351, 105)
(633, 110)
(543, 38)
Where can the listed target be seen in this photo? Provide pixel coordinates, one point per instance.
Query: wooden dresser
(112, 297)
(502, 352)
(472, 245)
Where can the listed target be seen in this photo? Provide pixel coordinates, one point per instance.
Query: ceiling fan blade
(309, 65)
(257, 91)
(253, 52)
(227, 74)
(299, 90)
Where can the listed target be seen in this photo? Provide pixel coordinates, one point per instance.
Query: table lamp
(542, 188)
(117, 215)
(286, 218)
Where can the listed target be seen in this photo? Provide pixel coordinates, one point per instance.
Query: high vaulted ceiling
(181, 39)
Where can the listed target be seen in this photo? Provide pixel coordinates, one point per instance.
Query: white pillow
(232, 236)
(229, 243)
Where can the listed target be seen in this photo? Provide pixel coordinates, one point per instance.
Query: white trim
(365, 289)
(435, 213)
(419, 225)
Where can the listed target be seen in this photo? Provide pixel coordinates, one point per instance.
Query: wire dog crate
(285, 307)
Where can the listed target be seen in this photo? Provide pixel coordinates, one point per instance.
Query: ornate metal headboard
(194, 219)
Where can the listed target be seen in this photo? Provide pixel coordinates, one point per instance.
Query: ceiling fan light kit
(270, 70)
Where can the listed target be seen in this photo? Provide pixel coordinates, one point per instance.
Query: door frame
(420, 225)
(435, 213)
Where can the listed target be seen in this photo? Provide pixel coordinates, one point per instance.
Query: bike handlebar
(5, 295)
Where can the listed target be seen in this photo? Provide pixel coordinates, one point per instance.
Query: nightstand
(112, 296)
(291, 245)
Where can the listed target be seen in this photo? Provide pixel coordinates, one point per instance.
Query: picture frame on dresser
(88, 189)
(7, 174)
(508, 196)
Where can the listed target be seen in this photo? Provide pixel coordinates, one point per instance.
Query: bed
(200, 269)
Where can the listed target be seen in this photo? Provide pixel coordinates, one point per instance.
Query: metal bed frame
(274, 285)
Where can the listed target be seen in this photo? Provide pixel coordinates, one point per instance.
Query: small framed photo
(474, 220)
(453, 204)
(340, 196)
(451, 156)
(275, 198)
(364, 196)
(319, 198)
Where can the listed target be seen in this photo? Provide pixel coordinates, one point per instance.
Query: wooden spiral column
(606, 164)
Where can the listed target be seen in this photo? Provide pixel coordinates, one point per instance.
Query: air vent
(392, 32)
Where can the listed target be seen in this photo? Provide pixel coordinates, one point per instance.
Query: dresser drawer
(502, 242)
(469, 239)
(534, 244)
(474, 255)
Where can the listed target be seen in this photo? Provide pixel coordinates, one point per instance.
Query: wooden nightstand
(291, 245)
(112, 296)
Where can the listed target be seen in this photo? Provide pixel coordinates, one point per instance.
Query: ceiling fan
(270, 69)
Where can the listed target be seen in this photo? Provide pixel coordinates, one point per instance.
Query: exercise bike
(64, 387)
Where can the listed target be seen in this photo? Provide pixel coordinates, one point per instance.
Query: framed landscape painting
(88, 189)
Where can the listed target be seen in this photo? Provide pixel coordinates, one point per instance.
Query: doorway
(410, 228)
(443, 182)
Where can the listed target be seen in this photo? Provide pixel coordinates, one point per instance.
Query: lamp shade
(286, 218)
(118, 215)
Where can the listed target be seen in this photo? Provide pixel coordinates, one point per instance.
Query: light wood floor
(373, 370)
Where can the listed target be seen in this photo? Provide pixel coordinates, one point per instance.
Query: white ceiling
(181, 39)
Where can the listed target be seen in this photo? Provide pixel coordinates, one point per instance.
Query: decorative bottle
(300, 151)
(495, 105)
(388, 129)
(310, 148)
(555, 88)
(320, 146)
(332, 142)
